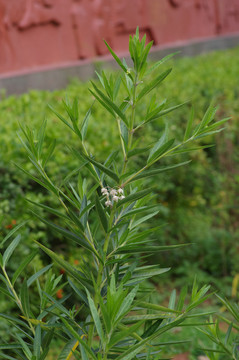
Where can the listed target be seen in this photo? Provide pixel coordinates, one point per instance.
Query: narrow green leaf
(101, 214)
(70, 235)
(25, 348)
(155, 82)
(60, 117)
(207, 118)
(150, 306)
(67, 350)
(37, 342)
(65, 265)
(46, 157)
(164, 112)
(126, 304)
(6, 293)
(119, 62)
(110, 104)
(160, 62)
(23, 265)
(41, 136)
(10, 346)
(160, 151)
(78, 291)
(24, 295)
(182, 297)
(189, 126)
(8, 252)
(138, 151)
(79, 338)
(183, 151)
(35, 276)
(49, 209)
(138, 248)
(153, 172)
(16, 228)
(135, 196)
(143, 219)
(106, 106)
(121, 335)
(101, 167)
(83, 216)
(85, 121)
(96, 318)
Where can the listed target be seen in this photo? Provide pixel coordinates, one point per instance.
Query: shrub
(104, 215)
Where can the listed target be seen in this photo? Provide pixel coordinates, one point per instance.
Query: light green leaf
(16, 228)
(155, 82)
(35, 276)
(160, 62)
(8, 252)
(126, 304)
(119, 62)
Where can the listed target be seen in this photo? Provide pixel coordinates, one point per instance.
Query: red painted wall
(36, 33)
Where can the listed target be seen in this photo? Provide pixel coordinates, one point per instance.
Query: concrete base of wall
(52, 78)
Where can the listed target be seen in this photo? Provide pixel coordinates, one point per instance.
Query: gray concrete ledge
(52, 78)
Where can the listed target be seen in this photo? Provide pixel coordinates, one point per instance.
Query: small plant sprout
(116, 317)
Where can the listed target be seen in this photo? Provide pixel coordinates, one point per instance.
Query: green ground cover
(198, 202)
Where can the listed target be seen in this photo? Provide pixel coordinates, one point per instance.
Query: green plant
(225, 343)
(104, 215)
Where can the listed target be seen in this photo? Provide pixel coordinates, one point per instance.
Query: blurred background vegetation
(199, 202)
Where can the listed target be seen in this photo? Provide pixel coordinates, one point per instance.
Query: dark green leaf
(160, 151)
(65, 265)
(101, 214)
(101, 167)
(24, 295)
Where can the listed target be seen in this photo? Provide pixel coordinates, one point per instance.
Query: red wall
(36, 33)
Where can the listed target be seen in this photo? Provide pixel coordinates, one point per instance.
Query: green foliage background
(198, 202)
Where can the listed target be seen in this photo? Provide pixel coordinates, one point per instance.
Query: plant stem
(131, 125)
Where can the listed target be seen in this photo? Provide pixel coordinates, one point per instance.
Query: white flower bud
(104, 191)
(108, 203)
(113, 192)
(115, 198)
(122, 197)
(120, 191)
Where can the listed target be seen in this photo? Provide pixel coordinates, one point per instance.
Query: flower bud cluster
(112, 195)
